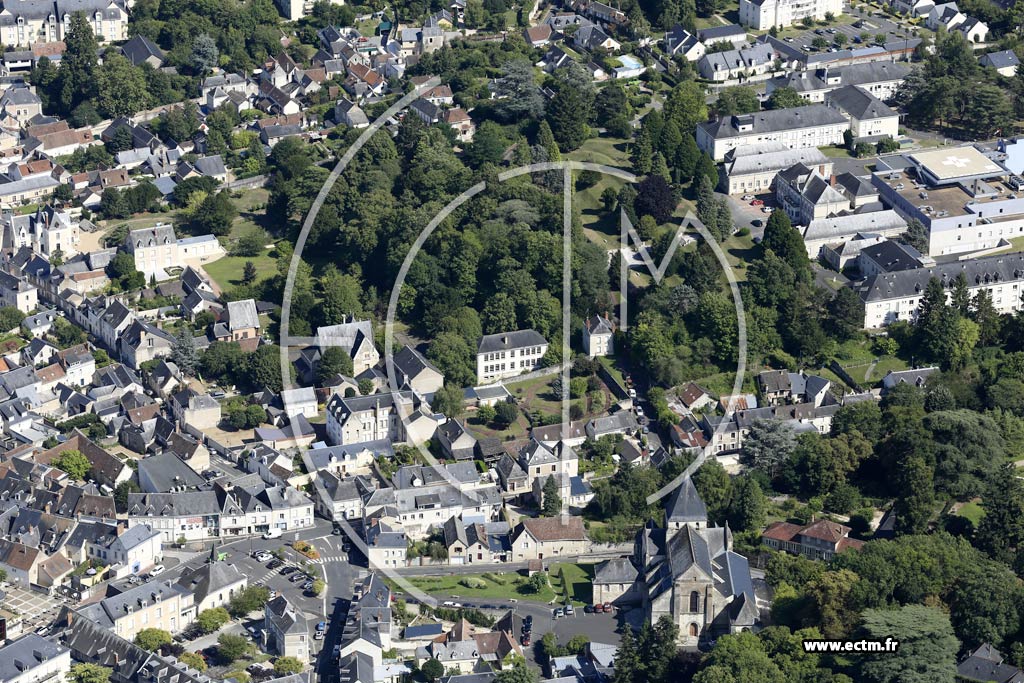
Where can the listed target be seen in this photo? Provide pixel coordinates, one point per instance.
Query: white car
(639, 411)
(159, 569)
(632, 393)
(766, 209)
(747, 197)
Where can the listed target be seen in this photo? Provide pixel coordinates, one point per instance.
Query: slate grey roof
(169, 474)
(133, 537)
(892, 256)
(746, 58)
(988, 664)
(411, 362)
(140, 48)
(20, 656)
(908, 283)
(210, 577)
(837, 227)
(505, 341)
(685, 505)
(774, 120)
(854, 74)
(859, 103)
(1000, 60)
(321, 458)
(618, 570)
(726, 31)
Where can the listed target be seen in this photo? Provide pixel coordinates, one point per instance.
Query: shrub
(473, 582)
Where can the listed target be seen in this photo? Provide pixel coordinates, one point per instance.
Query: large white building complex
(815, 125)
(763, 14)
(889, 297)
(966, 200)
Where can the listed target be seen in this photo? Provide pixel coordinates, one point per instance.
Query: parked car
(559, 613)
(569, 610)
(288, 570)
(528, 620)
(608, 607)
(757, 202)
(747, 197)
(526, 640)
(295, 578)
(766, 209)
(274, 564)
(157, 570)
(757, 223)
(597, 609)
(308, 586)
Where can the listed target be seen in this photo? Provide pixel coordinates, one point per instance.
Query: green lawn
(739, 251)
(227, 272)
(574, 581)
(972, 511)
(836, 152)
(451, 586)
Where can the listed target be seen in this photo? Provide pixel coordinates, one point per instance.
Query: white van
(272, 533)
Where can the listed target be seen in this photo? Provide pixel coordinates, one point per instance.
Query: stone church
(688, 571)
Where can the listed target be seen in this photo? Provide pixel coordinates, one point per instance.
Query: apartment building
(26, 22)
(762, 15)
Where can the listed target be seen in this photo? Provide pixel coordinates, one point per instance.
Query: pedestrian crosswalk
(324, 559)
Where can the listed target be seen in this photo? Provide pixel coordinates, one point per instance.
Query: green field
(574, 581)
(972, 511)
(451, 586)
(227, 272)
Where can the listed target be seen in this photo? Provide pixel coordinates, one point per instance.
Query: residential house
(549, 537)
(1005, 62)
(742, 65)
(355, 337)
(681, 43)
(413, 371)
(820, 540)
(200, 411)
(140, 49)
(598, 336)
(285, 629)
(455, 440)
(213, 584)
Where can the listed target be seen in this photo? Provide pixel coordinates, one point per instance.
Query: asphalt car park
(870, 25)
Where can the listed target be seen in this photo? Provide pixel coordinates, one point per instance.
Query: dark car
(757, 222)
(274, 564)
(288, 570)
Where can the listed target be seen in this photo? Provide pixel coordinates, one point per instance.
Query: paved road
(454, 569)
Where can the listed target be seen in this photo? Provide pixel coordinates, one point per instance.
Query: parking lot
(870, 28)
(36, 609)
